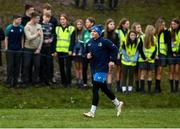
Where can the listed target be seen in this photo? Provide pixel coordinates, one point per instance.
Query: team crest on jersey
(12, 30)
(100, 44)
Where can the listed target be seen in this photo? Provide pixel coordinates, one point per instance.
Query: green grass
(149, 118)
(46, 98)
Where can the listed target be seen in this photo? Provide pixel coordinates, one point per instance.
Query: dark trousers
(65, 68)
(51, 70)
(0, 56)
(97, 1)
(13, 59)
(128, 75)
(84, 71)
(84, 3)
(21, 64)
(22, 67)
(113, 4)
(103, 87)
(30, 57)
(46, 63)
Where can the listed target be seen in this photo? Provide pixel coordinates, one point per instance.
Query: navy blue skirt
(146, 66)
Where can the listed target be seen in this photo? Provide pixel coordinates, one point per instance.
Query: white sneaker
(119, 108)
(89, 114)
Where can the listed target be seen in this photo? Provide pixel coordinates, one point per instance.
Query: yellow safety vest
(176, 44)
(140, 37)
(162, 45)
(130, 51)
(63, 38)
(122, 38)
(148, 53)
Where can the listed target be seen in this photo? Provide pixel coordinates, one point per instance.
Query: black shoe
(48, 83)
(53, 81)
(8, 86)
(176, 89)
(126, 92)
(36, 86)
(142, 91)
(69, 85)
(23, 85)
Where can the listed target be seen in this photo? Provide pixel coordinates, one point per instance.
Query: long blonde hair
(149, 36)
(158, 24)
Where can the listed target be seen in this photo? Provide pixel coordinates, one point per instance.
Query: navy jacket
(103, 51)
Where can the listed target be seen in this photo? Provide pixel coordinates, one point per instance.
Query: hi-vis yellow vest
(176, 43)
(140, 37)
(162, 45)
(63, 38)
(148, 53)
(122, 38)
(130, 51)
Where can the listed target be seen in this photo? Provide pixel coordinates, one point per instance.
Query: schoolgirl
(174, 55)
(147, 58)
(111, 34)
(122, 30)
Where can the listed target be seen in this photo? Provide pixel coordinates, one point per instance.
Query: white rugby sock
(116, 102)
(93, 109)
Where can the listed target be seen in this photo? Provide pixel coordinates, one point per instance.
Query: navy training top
(103, 51)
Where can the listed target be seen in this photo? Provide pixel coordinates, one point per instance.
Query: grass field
(52, 118)
(47, 98)
(62, 107)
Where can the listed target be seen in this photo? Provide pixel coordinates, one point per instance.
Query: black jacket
(110, 37)
(25, 20)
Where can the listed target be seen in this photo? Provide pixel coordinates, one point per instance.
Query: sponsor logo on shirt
(100, 44)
